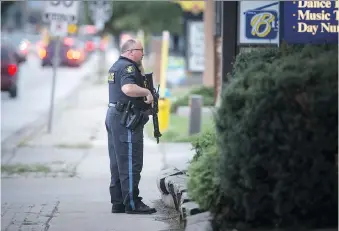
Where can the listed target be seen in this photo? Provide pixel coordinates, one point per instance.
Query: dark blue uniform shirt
(125, 71)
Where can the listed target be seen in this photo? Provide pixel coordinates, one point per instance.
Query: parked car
(76, 54)
(71, 53)
(19, 41)
(10, 61)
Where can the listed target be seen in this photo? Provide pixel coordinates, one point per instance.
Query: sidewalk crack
(51, 216)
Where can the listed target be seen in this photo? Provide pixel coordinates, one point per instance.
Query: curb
(9, 145)
(172, 184)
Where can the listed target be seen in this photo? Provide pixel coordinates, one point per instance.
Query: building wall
(209, 72)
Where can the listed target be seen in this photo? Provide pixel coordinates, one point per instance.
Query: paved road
(35, 92)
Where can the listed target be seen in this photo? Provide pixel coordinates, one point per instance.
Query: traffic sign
(72, 28)
(61, 10)
(59, 28)
(100, 10)
(99, 25)
(107, 5)
(59, 13)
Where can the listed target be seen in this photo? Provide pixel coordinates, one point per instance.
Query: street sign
(59, 28)
(59, 14)
(72, 28)
(100, 25)
(104, 6)
(101, 12)
(61, 10)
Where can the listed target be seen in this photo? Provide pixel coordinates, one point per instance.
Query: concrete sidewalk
(60, 181)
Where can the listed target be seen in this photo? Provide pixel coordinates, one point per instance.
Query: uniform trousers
(126, 159)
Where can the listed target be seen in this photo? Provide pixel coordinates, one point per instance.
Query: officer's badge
(130, 69)
(111, 78)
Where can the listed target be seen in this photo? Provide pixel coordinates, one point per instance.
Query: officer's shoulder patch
(111, 77)
(130, 69)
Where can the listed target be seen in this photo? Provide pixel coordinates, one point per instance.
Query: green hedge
(247, 59)
(204, 183)
(202, 142)
(271, 162)
(277, 131)
(206, 92)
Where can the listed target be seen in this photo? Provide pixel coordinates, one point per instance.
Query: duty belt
(118, 106)
(121, 106)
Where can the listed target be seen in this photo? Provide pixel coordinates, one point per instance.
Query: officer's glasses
(142, 50)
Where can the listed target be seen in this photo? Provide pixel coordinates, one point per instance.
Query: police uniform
(125, 145)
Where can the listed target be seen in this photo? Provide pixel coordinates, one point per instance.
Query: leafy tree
(150, 16)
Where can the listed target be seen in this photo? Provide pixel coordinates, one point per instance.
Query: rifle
(155, 108)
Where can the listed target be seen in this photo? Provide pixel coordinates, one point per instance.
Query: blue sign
(310, 22)
(261, 23)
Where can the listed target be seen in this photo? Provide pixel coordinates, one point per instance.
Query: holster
(120, 106)
(126, 114)
(139, 118)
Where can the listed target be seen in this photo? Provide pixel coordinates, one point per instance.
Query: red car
(10, 61)
(70, 53)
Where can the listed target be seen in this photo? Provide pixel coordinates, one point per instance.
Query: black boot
(118, 208)
(140, 208)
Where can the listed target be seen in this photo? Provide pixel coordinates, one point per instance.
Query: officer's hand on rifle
(148, 112)
(149, 98)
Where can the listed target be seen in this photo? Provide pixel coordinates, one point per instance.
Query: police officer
(127, 96)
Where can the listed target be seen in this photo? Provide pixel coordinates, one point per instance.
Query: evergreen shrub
(204, 183)
(277, 136)
(203, 142)
(246, 59)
